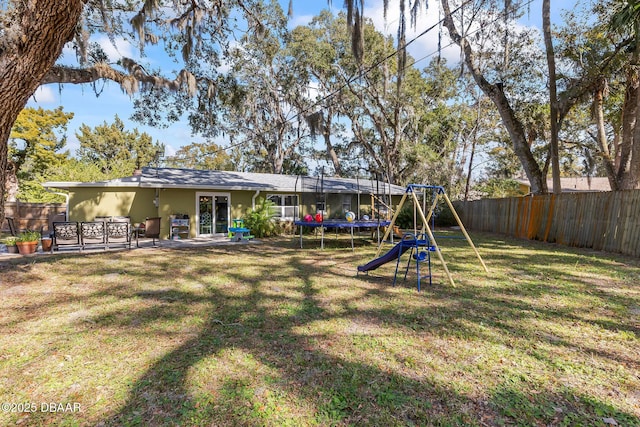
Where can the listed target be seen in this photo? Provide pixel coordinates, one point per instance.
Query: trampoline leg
(300, 237)
(429, 261)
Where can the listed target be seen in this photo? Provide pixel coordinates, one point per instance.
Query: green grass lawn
(269, 334)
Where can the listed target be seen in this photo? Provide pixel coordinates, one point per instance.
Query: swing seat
(420, 256)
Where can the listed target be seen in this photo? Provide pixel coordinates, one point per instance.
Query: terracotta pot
(26, 248)
(46, 244)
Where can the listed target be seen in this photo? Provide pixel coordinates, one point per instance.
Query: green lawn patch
(269, 334)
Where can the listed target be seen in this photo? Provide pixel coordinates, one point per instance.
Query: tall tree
(599, 60)
(204, 156)
(385, 118)
(35, 32)
(626, 22)
(35, 142)
(33, 35)
(316, 47)
(457, 27)
(553, 96)
(266, 99)
(113, 148)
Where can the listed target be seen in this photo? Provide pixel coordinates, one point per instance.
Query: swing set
(422, 242)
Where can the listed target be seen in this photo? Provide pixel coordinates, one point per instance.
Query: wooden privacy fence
(33, 216)
(608, 221)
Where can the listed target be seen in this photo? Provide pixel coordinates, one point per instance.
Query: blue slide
(392, 255)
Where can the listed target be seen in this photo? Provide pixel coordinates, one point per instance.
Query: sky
(94, 110)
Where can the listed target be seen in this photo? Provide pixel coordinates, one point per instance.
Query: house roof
(577, 184)
(226, 180)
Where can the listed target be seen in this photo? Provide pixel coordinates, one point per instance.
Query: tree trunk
(598, 107)
(553, 96)
(495, 93)
(629, 122)
(474, 140)
(632, 180)
(32, 44)
(331, 152)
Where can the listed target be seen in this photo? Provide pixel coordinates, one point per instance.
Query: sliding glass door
(213, 212)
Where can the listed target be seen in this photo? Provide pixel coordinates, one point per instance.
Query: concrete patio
(143, 243)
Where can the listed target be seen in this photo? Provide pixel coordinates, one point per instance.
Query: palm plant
(261, 220)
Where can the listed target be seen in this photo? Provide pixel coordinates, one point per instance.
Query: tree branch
(129, 82)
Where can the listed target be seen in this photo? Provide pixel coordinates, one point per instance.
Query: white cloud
(116, 49)
(169, 150)
(68, 56)
(425, 47)
(299, 20)
(313, 90)
(44, 95)
(72, 143)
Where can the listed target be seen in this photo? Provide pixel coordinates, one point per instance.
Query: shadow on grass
(255, 326)
(335, 389)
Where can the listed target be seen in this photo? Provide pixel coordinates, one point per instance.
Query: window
(286, 205)
(346, 203)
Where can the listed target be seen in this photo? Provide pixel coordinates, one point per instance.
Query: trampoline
(340, 223)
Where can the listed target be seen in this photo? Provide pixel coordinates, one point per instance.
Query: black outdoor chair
(152, 228)
(12, 226)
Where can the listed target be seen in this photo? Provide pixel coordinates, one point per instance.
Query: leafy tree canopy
(35, 145)
(203, 156)
(108, 145)
(38, 136)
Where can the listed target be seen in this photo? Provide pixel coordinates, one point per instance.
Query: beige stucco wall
(241, 202)
(138, 203)
(174, 202)
(87, 203)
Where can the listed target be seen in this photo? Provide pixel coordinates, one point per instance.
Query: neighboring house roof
(226, 180)
(576, 184)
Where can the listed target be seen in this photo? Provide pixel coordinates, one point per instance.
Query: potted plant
(27, 242)
(46, 243)
(11, 244)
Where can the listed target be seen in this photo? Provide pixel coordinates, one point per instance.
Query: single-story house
(572, 184)
(210, 200)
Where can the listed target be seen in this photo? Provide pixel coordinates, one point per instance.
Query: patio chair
(118, 232)
(206, 223)
(12, 226)
(93, 233)
(66, 233)
(152, 228)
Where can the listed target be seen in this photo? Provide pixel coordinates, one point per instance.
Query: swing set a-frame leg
(425, 226)
(464, 231)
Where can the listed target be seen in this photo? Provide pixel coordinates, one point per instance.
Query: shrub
(405, 218)
(497, 188)
(28, 236)
(261, 221)
(443, 216)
